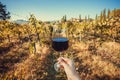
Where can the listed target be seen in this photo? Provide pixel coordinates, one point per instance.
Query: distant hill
(20, 21)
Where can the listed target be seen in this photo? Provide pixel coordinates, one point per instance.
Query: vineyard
(94, 45)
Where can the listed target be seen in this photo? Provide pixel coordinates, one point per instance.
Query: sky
(49, 10)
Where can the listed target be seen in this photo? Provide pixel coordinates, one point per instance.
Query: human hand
(69, 68)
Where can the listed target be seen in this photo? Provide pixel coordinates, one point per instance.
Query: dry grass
(104, 64)
(101, 64)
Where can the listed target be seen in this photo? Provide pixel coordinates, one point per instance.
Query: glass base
(57, 66)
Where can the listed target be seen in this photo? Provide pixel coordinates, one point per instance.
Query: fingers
(65, 62)
(63, 59)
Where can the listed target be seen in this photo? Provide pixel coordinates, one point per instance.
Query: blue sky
(46, 10)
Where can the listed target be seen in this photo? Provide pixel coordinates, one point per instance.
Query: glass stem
(60, 54)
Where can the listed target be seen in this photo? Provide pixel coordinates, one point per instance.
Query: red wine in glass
(60, 44)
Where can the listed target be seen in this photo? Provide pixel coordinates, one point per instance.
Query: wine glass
(59, 44)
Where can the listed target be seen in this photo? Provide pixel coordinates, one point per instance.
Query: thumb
(64, 64)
